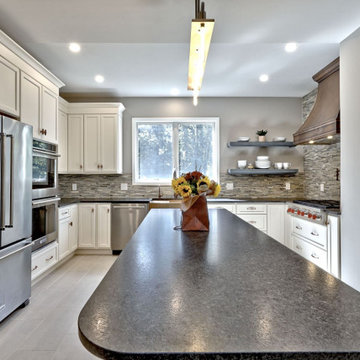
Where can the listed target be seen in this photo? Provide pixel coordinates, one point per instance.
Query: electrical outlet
(73, 187)
(229, 186)
(287, 186)
(322, 187)
(124, 186)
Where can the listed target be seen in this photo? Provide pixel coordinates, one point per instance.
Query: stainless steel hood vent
(323, 124)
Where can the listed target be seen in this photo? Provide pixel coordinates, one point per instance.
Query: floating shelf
(240, 172)
(261, 144)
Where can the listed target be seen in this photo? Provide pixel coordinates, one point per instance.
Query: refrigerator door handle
(11, 217)
(2, 190)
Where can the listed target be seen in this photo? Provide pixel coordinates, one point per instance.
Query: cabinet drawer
(64, 212)
(44, 259)
(259, 221)
(310, 252)
(251, 208)
(314, 232)
(229, 207)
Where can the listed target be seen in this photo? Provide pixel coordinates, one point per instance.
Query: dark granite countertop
(232, 293)
(70, 201)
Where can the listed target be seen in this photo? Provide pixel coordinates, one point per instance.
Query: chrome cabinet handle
(252, 222)
(3, 150)
(11, 217)
(298, 227)
(314, 256)
(251, 208)
(34, 268)
(298, 247)
(314, 233)
(48, 259)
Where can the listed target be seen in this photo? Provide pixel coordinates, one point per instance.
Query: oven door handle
(45, 154)
(46, 201)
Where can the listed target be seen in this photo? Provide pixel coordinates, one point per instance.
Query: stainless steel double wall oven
(44, 193)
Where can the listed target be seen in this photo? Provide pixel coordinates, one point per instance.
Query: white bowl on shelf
(243, 138)
(279, 139)
(262, 158)
(263, 164)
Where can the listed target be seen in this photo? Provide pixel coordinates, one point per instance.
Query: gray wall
(238, 117)
(350, 165)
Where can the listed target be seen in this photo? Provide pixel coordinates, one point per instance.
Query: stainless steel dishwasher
(125, 219)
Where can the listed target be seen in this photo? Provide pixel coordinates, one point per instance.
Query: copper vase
(195, 215)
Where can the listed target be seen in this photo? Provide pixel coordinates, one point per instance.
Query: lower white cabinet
(276, 221)
(94, 226)
(68, 230)
(44, 259)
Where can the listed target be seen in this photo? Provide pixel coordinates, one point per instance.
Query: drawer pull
(252, 222)
(298, 227)
(64, 213)
(298, 247)
(251, 208)
(314, 233)
(71, 223)
(34, 268)
(314, 256)
(48, 259)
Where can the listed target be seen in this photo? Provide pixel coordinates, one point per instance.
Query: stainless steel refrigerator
(15, 214)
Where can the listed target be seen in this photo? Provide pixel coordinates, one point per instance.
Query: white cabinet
(68, 230)
(31, 103)
(49, 114)
(87, 226)
(91, 143)
(103, 225)
(276, 222)
(39, 107)
(94, 226)
(75, 133)
(43, 259)
(62, 143)
(9, 87)
(110, 143)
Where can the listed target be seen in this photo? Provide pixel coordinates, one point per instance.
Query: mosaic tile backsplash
(93, 186)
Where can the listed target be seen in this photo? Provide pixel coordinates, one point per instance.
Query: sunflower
(177, 182)
(184, 190)
(217, 190)
(203, 184)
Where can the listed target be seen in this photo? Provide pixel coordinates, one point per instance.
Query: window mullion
(176, 165)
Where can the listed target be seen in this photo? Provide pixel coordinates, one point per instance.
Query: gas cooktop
(319, 204)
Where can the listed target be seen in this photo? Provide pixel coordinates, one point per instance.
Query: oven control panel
(307, 213)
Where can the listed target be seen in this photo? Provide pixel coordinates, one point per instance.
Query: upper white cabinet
(49, 114)
(75, 151)
(28, 90)
(9, 88)
(94, 138)
(62, 143)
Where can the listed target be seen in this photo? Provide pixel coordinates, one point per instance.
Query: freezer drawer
(15, 276)
(125, 219)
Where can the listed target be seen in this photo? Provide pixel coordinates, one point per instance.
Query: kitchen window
(164, 145)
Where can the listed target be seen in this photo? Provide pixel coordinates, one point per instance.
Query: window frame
(175, 155)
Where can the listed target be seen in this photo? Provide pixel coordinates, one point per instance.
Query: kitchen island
(232, 293)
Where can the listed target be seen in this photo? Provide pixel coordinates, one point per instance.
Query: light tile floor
(47, 328)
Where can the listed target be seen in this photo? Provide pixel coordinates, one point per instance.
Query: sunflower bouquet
(195, 183)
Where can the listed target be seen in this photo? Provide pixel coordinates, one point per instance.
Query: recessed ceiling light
(264, 78)
(99, 79)
(74, 47)
(174, 92)
(291, 47)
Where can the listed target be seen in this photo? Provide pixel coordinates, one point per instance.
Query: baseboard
(93, 252)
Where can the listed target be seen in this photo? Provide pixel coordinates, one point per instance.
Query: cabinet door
(9, 89)
(63, 238)
(91, 143)
(49, 115)
(87, 225)
(62, 146)
(103, 225)
(75, 144)
(276, 221)
(30, 95)
(109, 144)
(73, 229)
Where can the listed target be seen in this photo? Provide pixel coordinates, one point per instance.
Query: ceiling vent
(323, 124)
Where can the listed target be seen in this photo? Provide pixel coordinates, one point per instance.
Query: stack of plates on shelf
(243, 138)
(262, 162)
(279, 139)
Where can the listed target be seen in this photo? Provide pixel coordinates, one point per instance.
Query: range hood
(323, 124)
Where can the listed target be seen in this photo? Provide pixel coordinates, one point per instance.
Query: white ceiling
(141, 46)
